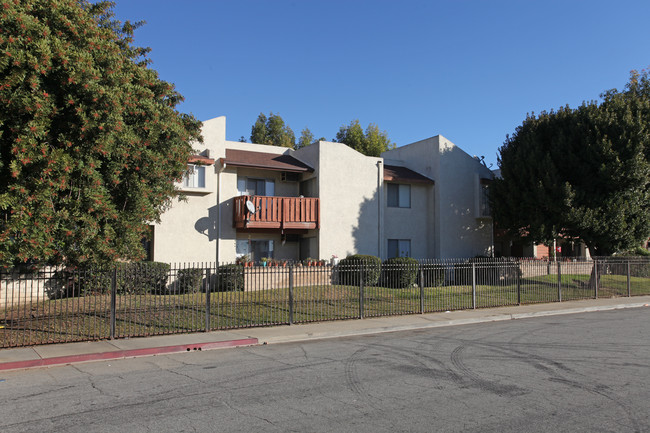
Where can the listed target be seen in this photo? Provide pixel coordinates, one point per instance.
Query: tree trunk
(596, 252)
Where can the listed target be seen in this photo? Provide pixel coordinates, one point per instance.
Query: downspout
(223, 167)
(380, 210)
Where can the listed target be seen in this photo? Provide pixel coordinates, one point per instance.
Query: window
(399, 248)
(195, 176)
(399, 195)
(255, 249)
(251, 186)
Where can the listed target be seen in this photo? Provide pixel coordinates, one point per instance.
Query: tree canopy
(306, 138)
(273, 131)
(90, 140)
(580, 173)
(372, 142)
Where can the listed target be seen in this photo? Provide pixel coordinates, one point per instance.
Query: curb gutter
(121, 354)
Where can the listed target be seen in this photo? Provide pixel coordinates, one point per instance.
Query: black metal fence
(128, 300)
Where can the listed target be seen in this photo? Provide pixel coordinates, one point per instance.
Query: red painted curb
(120, 354)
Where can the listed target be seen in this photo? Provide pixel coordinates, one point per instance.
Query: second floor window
(195, 176)
(252, 186)
(398, 195)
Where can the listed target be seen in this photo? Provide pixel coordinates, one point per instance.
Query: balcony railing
(277, 213)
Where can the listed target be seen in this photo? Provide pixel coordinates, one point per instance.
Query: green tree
(306, 138)
(371, 143)
(273, 131)
(90, 141)
(580, 173)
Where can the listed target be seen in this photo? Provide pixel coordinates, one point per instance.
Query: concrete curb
(121, 354)
(443, 323)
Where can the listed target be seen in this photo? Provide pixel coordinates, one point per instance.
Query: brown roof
(268, 161)
(200, 159)
(394, 173)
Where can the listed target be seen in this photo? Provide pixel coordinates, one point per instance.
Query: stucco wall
(348, 187)
(187, 231)
(411, 223)
(457, 232)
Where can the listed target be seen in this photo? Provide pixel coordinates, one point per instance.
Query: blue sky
(469, 70)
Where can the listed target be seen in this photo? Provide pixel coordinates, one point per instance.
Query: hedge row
(397, 272)
(141, 278)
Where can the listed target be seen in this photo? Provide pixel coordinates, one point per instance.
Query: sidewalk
(68, 353)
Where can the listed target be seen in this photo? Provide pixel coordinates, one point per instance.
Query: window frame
(399, 242)
(242, 186)
(400, 196)
(194, 178)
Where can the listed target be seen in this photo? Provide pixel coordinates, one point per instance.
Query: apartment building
(425, 200)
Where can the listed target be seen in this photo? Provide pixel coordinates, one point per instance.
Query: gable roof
(395, 173)
(267, 161)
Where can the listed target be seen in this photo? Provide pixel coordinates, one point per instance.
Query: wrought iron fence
(129, 300)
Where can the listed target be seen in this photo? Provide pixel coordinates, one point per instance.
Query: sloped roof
(200, 159)
(267, 161)
(395, 173)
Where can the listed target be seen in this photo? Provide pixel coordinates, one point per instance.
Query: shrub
(433, 274)
(399, 272)
(355, 268)
(72, 282)
(132, 278)
(639, 266)
(230, 278)
(488, 271)
(189, 280)
(142, 277)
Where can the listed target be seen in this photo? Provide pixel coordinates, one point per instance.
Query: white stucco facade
(358, 213)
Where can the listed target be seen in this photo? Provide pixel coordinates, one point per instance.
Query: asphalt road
(584, 372)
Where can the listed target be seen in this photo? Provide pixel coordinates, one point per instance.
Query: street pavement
(72, 353)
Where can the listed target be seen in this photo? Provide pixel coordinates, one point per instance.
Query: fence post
(113, 301)
(208, 289)
(518, 283)
(421, 288)
(595, 279)
(629, 280)
(361, 291)
(473, 285)
(291, 294)
(559, 283)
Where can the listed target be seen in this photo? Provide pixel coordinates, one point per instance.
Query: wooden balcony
(284, 213)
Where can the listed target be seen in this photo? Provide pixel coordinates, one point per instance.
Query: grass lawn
(88, 317)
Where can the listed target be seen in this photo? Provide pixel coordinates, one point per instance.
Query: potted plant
(334, 260)
(265, 260)
(244, 260)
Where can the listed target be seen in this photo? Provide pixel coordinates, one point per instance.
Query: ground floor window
(255, 249)
(399, 248)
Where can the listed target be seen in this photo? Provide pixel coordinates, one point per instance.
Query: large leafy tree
(372, 142)
(90, 141)
(306, 138)
(273, 131)
(581, 173)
